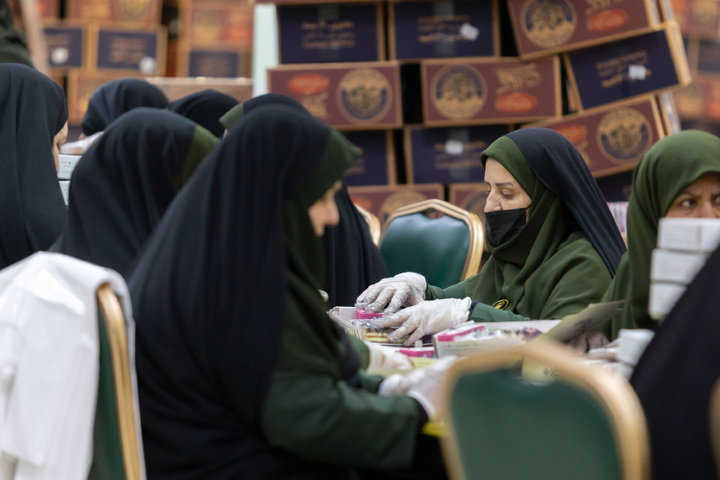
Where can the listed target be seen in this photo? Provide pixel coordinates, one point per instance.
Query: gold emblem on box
(458, 91)
(206, 26)
(364, 95)
(624, 135)
(397, 200)
(548, 23)
(135, 10)
(690, 100)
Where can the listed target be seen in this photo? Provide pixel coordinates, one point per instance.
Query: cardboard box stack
(91, 42)
(99, 40)
(446, 78)
(683, 246)
(699, 103)
(215, 39)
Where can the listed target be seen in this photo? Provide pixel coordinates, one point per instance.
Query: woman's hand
(426, 385)
(426, 318)
(390, 294)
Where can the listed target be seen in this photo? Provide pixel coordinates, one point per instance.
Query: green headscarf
(525, 270)
(667, 168)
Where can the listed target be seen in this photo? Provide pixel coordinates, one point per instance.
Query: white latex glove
(387, 357)
(587, 341)
(402, 383)
(425, 385)
(390, 294)
(425, 318)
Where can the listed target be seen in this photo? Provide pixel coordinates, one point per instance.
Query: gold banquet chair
(715, 423)
(558, 420)
(445, 249)
(373, 224)
(116, 453)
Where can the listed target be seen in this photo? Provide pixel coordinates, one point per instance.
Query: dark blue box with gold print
(66, 45)
(376, 164)
(448, 155)
(627, 68)
(125, 49)
(443, 29)
(339, 32)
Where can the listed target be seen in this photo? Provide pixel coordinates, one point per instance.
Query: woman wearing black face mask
(554, 245)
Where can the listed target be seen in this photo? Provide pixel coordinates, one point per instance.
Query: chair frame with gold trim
(472, 221)
(592, 385)
(116, 448)
(373, 224)
(715, 423)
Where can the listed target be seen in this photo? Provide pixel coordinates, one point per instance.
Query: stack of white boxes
(66, 165)
(683, 246)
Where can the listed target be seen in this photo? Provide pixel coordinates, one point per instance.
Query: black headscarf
(560, 167)
(205, 108)
(116, 97)
(674, 380)
(232, 257)
(353, 261)
(32, 210)
(233, 115)
(123, 184)
(13, 45)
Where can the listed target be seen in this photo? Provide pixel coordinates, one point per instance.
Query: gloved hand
(404, 289)
(426, 385)
(387, 357)
(425, 318)
(588, 340)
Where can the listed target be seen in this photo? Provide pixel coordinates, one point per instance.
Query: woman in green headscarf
(678, 177)
(553, 243)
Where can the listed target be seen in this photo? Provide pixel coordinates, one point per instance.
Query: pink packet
(449, 335)
(361, 314)
(424, 352)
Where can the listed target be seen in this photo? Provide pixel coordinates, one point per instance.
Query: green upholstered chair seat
(436, 248)
(445, 249)
(116, 454)
(107, 448)
(508, 428)
(576, 422)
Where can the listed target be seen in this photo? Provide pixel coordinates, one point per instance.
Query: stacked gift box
(699, 103)
(100, 40)
(215, 38)
(441, 80)
(683, 246)
(91, 42)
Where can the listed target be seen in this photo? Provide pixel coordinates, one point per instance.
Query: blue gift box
(627, 68)
(443, 29)
(66, 45)
(124, 49)
(448, 155)
(331, 33)
(218, 63)
(376, 165)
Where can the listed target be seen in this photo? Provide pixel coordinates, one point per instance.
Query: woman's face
(700, 199)
(324, 212)
(58, 142)
(504, 193)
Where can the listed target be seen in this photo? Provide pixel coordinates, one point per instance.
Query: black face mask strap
(502, 225)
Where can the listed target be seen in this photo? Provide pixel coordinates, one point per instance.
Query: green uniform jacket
(311, 411)
(564, 284)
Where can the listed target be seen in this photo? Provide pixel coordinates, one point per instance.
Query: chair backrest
(567, 421)
(715, 423)
(373, 224)
(446, 249)
(115, 438)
